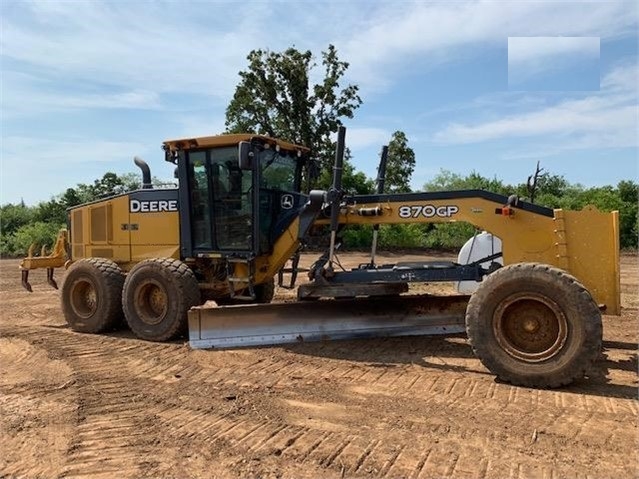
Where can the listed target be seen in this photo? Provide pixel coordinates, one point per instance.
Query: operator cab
(237, 193)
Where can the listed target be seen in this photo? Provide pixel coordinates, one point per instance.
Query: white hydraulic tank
(478, 247)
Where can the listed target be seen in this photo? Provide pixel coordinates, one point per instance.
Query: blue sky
(486, 86)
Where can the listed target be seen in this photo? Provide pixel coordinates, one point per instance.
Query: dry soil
(78, 405)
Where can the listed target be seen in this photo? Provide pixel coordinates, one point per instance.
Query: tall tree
(400, 164)
(353, 181)
(275, 97)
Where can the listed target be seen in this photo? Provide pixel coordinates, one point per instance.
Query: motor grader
(207, 254)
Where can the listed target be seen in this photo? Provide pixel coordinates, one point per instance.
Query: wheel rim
(84, 298)
(530, 327)
(151, 302)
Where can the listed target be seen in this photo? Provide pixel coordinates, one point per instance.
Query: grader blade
(279, 323)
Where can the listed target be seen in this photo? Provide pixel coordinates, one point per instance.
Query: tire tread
(110, 316)
(188, 295)
(579, 300)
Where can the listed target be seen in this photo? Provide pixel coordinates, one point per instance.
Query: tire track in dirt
(112, 421)
(112, 416)
(129, 395)
(37, 403)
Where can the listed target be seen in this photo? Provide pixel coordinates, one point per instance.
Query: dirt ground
(75, 405)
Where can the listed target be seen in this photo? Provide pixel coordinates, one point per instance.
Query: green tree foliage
(275, 97)
(38, 233)
(13, 217)
(553, 191)
(448, 181)
(400, 164)
(353, 181)
(20, 226)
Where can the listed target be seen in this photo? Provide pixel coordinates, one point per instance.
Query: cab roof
(227, 140)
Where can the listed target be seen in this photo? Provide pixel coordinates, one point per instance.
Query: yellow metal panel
(593, 254)
(227, 140)
(79, 232)
(583, 243)
(267, 266)
(100, 228)
(119, 236)
(154, 234)
(141, 252)
(99, 223)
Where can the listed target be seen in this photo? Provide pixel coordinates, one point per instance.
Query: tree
(275, 97)
(400, 164)
(110, 184)
(447, 180)
(13, 217)
(52, 211)
(353, 181)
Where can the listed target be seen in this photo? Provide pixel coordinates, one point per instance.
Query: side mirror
(246, 155)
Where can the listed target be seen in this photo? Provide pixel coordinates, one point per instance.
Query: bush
(410, 236)
(357, 237)
(38, 233)
(13, 217)
(402, 236)
(390, 236)
(449, 235)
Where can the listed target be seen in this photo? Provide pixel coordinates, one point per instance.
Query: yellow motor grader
(206, 254)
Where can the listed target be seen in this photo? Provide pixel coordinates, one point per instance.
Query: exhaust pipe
(146, 172)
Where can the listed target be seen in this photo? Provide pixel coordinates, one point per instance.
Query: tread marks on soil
(112, 434)
(111, 411)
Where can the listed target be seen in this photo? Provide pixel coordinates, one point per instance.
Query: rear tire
(157, 296)
(534, 325)
(92, 295)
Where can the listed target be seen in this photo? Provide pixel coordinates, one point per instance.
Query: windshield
(278, 170)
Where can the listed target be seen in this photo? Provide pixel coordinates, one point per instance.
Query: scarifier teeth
(25, 281)
(50, 279)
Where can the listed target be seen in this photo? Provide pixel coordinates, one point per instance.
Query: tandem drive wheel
(534, 325)
(92, 295)
(157, 295)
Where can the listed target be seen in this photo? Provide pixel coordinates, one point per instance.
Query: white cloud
(543, 49)
(623, 78)
(30, 152)
(35, 168)
(530, 57)
(441, 32)
(184, 57)
(134, 46)
(26, 95)
(194, 48)
(359, 138)
(605, 119)
(191, 125)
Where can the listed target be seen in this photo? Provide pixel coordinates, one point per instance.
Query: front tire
(264, 292)
(92, 295)
(534, 325)
(157, 296)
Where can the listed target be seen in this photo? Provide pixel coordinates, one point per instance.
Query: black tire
(534, 325)
(264, 292)
(157, 296)
(92, 295)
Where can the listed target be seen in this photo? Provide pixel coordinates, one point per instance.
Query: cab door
(220, 198)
